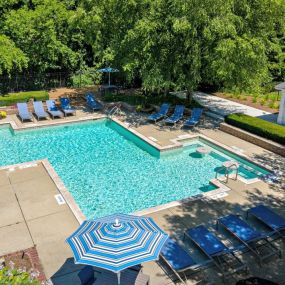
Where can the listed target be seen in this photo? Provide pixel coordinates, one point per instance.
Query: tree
(11, 57)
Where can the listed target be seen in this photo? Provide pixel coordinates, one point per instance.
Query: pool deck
(30, 214)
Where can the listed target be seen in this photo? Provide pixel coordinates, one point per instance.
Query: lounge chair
(92, 103)
(194, 119)
(24, 113)
(178, 260)
(222, 256)
(66, 107)
(255, 241)
(269, 218)
(177, 115)
(39, 110)
(160, 114)
(53, 110)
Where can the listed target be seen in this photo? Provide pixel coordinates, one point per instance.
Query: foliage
(258, 126)
(158, 45)
(143, 100)
(3, 114)
(11, 57)
(13, 98)
(264, 98)
(86, 77)
(41, 31)
(9, 276)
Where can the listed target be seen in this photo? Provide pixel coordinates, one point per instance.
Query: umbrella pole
(119, 277)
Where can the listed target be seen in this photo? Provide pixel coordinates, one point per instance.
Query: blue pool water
(107, 169)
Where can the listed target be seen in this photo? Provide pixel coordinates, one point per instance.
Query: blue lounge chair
(178, 260)
(160, 114)
(177, 115)
(23, 112)
(269, 218)
(223, 257)
(53, 110)
(39, 110)
(66, 107)
(92, 103)
(195, 118)
(255, 241)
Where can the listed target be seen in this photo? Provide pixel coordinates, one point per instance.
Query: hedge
(140, 99)
(258, 126)
(12, 98)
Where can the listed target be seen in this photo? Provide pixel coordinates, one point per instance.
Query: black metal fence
(34, 81)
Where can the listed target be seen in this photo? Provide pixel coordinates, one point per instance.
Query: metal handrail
(227, 172)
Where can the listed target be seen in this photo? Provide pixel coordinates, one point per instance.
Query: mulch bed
(28, 259)
(247, 102)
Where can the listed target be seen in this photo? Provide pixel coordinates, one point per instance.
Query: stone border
(252, 138)
(64, 192)
(213, 194)
(177, 143)
(53, 123)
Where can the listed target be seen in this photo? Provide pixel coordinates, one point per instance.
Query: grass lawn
(12, 98)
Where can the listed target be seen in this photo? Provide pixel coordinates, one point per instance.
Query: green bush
(12, 98)
(10, 276)
(258, 126)
(140, 99)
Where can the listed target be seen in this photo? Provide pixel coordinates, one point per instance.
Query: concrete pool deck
(30, 214)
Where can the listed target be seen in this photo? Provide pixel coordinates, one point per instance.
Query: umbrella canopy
(108, 70)
(117, 242)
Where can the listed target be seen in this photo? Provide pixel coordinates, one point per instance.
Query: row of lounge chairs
(177, 115)
(222, 256)
(65, 108)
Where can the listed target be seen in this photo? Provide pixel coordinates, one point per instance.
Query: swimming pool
(107, 169)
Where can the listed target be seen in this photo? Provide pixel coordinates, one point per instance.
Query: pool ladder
(227, 172)
(116, 110)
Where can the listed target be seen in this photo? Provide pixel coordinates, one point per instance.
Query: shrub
(11, 276)
(12, 98)
(140, 99)
(258, 126)
(3, 114)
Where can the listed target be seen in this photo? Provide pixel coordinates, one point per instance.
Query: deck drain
(59, 199)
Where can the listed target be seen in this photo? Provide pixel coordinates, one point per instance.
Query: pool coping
(176, 144)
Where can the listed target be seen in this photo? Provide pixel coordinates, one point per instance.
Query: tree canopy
(162, 44)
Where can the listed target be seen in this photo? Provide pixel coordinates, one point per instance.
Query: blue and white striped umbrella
(117, 242)
(108, 70)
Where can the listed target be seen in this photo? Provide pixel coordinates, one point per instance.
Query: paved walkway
(224, 107)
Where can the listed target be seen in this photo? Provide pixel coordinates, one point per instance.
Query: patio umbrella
(108, 70)
(117, 242)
